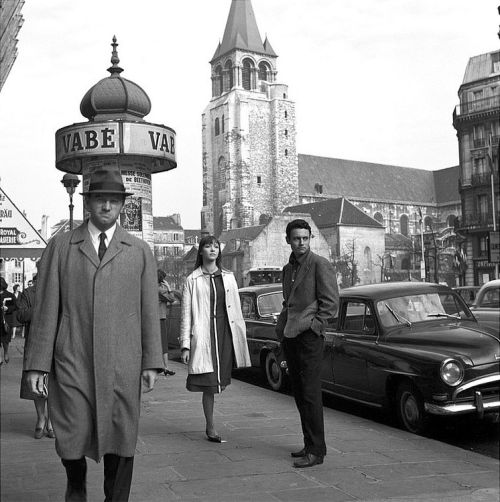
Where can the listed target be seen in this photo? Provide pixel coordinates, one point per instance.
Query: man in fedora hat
(95, 330)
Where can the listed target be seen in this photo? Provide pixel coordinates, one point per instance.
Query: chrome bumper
(479, 405)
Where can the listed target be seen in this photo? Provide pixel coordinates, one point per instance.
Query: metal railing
(477, 220)
(478, 179)
(478, 105)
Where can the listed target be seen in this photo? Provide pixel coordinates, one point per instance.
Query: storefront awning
(20, 253)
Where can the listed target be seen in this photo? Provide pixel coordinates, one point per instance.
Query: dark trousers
(117, 478)
(304, 354)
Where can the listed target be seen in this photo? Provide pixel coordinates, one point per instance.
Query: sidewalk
(366, 461)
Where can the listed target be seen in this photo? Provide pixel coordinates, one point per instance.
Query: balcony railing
(477, 221)
(478, 179)
(479, 105)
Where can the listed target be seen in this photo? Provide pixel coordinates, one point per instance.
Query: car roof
(489, 284)
(384, 290)
(262, 288)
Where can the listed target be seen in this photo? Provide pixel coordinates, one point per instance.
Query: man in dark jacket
(311, 295)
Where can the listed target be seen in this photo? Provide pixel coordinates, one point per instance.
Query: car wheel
(274, 374)
(410, 408)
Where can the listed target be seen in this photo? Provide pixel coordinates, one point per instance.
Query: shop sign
(494, 247)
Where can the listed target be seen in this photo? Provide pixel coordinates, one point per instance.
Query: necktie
(102, 245)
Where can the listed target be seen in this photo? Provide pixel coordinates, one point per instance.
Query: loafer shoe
(298, 454)
(308, 460)
(39, 433)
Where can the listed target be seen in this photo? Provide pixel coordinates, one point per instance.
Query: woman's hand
(185, 356)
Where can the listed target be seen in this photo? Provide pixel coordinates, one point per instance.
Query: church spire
(242, 32)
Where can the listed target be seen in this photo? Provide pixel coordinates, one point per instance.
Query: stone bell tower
(250, 166)
(116, 135)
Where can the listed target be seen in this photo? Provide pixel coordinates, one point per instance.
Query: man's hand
(149, 378)
(35, 381)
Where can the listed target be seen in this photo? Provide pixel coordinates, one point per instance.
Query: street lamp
(70, 182)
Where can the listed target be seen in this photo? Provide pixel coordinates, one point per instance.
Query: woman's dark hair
(210, 239)
(161, 275)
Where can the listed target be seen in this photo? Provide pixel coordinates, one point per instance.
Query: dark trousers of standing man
(304, 354)
(117, 478)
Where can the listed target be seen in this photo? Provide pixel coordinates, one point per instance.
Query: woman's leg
(5, 346)
(208, 400)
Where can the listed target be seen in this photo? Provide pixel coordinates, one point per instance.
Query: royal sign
(79, 141)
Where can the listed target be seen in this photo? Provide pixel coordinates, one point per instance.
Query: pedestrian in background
(165, 297)
(8, 303)
(95, 329)
(311, 300)
(213, 333)
(24, 315)
(17, 327)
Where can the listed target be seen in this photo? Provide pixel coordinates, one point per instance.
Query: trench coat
(195, 322)
(95, 328)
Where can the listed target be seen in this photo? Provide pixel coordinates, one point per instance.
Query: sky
(372, 80)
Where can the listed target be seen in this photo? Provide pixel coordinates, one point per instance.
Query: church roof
(328, 213)
(242, 32)
(163, 223)
(366, 180)
(446, 183)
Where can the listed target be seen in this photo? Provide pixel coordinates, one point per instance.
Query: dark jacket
(25, 307)
(311, 300)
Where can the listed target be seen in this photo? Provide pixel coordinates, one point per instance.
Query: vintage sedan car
(410, 347)
(486, 307)
(261, 306)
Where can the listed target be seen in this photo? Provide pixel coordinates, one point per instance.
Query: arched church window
(222, 124)
(263, 71)
(403, 221)
(228, 76)
(217, 126)
(378, 217)
(428, 223)
(368, 258)
(247, 74)
(451, 220)
(218, 81)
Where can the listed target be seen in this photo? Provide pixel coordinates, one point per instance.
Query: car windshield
(421, 308)
(269, 304)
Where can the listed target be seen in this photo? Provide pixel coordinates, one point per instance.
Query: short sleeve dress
(221, 343)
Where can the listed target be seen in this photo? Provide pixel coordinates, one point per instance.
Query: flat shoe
(299, 454)
(169, 372)
(6, 359)
(39, 433)
(51, 433)
(214, 439)
(308, 460)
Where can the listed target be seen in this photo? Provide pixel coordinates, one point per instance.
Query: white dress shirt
(95, 232)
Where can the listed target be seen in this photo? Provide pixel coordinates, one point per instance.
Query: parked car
(486, 307)
(261, 306)
(468, 293)
(410, 347)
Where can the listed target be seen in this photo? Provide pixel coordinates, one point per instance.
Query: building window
(483, 246)
(378, 217)
(247, 74)
(259, 180)
(482, 204)
(17, 264)
(217, 127)
(403, 221)
(284, 96)
(368, 258)
(286, 114)
(228, 76)
(263, 71)
(17, 277)
(222, 123)
(218, 81)
(286, 152)
(286, 132)
(479, 165)
(495, 59)
(319, 188)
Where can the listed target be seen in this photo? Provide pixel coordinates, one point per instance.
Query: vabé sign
(142, 139)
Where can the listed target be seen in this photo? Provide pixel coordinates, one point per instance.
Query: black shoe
(75, 494)
(214, 439)
(308, 461)
(168, 372)
(298, 454)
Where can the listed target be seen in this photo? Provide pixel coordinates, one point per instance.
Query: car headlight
(452, 372)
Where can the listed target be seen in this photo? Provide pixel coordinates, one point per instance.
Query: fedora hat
(106, 180)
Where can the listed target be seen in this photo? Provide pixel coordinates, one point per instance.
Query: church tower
(250, 164)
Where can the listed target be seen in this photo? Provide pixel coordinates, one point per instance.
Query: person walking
(8, 303)
(24, 315)
(311, 295)
(213, 333)
(95, 329)
(16, 326)
(165, 297)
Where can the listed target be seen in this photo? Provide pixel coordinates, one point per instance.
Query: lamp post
(70, 182)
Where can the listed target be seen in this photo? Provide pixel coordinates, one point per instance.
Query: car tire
(410, 408)
(273, 371)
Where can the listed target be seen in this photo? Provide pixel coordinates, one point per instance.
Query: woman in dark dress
(8, 303)
(213, 334)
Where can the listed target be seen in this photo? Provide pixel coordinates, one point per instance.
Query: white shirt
(95, 232)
